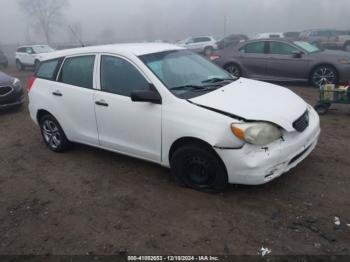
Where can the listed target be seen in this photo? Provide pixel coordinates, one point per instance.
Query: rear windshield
(48, 69)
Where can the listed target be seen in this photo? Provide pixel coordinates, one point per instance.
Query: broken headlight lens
(258, 133)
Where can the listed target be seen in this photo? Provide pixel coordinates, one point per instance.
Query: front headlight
(16, 82)
(258, 133)
(344, 61)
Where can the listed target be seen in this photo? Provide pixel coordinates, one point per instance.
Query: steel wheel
(199, 171)
(324, 75)
(233, 70)
(51, 134)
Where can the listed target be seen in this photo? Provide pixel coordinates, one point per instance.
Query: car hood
(5, 79)
(334, 54)
(255, 101)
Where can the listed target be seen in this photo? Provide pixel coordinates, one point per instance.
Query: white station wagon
(167, 105)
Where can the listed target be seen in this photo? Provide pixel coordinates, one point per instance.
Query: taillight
(214, 57)
(30, 83)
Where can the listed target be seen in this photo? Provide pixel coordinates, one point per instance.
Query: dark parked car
(283, 60)
(3, 60)
(231, 40)
(11, 92)
(291, 35)
(323, 38)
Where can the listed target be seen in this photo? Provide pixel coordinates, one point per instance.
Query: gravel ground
(90, 201)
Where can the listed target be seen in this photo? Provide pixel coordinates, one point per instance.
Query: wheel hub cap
(51, 134)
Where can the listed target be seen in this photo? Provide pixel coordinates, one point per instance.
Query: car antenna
(76, 36)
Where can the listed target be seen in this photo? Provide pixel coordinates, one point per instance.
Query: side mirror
(150, 96)
(298, 54)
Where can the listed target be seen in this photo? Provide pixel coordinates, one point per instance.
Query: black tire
(347, 47)
(199, 167)
(322, 108)
(19, 65)
(36, 64)
(233, 69)
(53, 134)
(324, 74)
(208, 51)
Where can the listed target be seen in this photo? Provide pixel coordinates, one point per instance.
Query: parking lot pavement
(92, 201)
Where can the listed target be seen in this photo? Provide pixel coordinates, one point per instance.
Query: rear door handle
(57, 93)
(101, 103)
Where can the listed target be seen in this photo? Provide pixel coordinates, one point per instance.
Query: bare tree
(45, 15)
(75, 33)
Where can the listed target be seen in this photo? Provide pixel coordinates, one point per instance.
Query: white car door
(72, 99)
(125, 126)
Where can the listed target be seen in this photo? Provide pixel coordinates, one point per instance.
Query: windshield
(182, 72)
(42, 49)
(307, 47)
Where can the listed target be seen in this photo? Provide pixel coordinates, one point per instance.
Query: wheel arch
(313, 68)
(188, 140)
(41, 113)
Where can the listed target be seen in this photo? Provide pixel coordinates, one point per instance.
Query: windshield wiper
(185, 87)
(218, 80)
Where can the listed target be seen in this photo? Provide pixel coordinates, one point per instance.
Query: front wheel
(324, 75)
(199, 168)
(53, 135)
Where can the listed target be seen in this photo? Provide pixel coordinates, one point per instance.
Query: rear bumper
(253, 165)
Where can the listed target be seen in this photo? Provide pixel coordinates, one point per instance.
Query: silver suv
(202, 44)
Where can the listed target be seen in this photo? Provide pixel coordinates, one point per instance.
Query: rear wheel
(208, 51)
(36, 64)
(198, 167)
(324, 75)
(19, 65)
(233, 69)
(53, 135)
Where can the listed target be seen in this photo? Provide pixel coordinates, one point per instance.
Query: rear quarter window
(48, 69)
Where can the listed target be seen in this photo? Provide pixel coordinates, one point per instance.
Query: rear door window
(254, 48)
(78, 71)
(279, 48)
(48, 69)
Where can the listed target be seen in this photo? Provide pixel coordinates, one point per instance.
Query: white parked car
(167, 105)
(30, 56)
(201, 44)
(269, 35)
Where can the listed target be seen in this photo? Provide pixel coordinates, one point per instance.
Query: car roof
(136, 49)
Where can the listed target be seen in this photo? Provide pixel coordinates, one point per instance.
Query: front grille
(302, 122)
(4, 90)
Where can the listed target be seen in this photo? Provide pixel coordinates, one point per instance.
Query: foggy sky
(138, 20)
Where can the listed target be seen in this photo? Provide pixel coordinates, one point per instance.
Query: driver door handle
(101, 103)
(57, 93)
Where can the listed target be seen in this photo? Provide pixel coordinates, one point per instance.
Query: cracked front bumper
(254, 165)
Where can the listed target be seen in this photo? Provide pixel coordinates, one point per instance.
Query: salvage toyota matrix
(167, 105)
